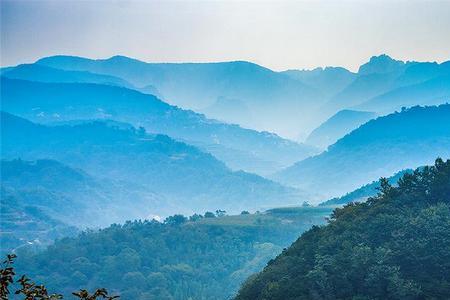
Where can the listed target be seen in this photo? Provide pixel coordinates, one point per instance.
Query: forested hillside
(24, 224)
(363, 193)
(45, 199)
(394, 246)
(204, 257)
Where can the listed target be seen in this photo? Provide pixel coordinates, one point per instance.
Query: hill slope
(49, 102)
(44, 199)
(394, 246)
(70, 195)
(337, 126)
(373, 78)
(433, 91)
(363, 193)
(153, 163)
(381, 147)
(23, 224)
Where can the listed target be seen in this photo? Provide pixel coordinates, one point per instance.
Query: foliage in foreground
(394, 246)
(29, 290)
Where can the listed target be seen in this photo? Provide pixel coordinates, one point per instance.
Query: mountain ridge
(272, 96)
(154, 165)
(380, 147)
(49, 102)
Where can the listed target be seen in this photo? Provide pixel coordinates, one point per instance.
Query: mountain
(258, 98)
(340, 124)
(235, 109)
(40, 73)
(431, 92)
(50, 102)
(383, 75)
(394, 246)
(329, 81)
(173, 176)
(71, 195)
(363, 193)
(275, 100)
(382, 64)
(196, 258)
(380, 147)
(373, 78)
(44, 199)
(421, 72)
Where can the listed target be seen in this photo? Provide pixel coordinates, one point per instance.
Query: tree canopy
(394, 246)
(200, 257)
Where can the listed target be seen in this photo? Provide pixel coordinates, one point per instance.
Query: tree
(175, 220)
(220, 213)
(31, 290)
(209, 214)
(395, 245)
(6, 276)
(141, 131)
(195, 217)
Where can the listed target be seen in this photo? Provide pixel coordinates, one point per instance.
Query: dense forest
(201, 257)
(395, 245)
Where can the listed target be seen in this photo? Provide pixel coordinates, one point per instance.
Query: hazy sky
(276, 34)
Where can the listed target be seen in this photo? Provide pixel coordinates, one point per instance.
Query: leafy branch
(32, 291)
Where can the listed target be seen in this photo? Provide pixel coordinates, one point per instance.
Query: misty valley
(227, 180)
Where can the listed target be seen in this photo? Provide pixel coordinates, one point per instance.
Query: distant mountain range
(290, 103)
(381, 147)
(328, 81)
(40, 73)
(64, 88)
(275, 100)
(381, 86)
(259, 152)
(147, 174)
(384, 75)
(433, 91)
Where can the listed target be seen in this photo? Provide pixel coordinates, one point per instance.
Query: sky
(277, 34)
